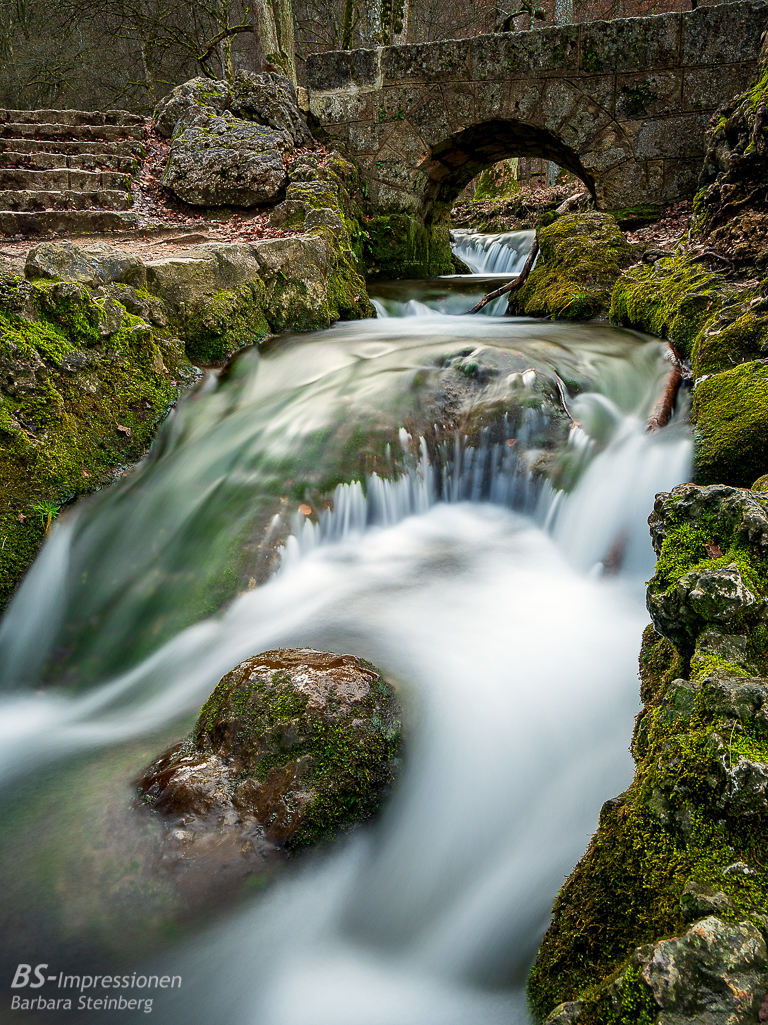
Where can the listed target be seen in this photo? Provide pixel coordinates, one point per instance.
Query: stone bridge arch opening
(453, 163)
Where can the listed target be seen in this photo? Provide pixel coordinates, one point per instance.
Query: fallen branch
(512, 285)
(563, 398)
(661, 413)
(570, 203)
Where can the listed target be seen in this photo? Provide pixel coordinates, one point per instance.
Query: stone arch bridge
(623, 104)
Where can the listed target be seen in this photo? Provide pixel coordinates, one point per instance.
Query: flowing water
(507, 610)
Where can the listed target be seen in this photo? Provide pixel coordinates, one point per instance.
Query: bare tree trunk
(273, 21)
(349, 24)
(400, 26)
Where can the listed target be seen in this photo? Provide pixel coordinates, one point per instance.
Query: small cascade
(492, 259)
(504, 253)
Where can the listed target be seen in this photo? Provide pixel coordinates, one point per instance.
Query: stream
(508, 611)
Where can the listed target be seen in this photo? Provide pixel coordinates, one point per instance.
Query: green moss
(678, 821)
(744, 339)
(581, 256)
(349, 764)
(498, 182)
(217, 326)
(626, 890)
(758, 93)
(638, 98)
(68, 434)
(659, 664)
(399, 246)
(630, 218)
(730, 411)
(673, 300)
(761, 484)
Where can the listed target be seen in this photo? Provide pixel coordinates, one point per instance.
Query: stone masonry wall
(623, 104)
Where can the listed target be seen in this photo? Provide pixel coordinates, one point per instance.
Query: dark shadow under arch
(454, 163)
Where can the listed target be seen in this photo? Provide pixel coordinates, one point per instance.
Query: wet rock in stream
(292, 746)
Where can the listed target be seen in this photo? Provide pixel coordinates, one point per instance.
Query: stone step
(74, 161)
(70, 117)
(59, 179)
(67, 199)
(83, 133)
(65, 221)
(124, 148)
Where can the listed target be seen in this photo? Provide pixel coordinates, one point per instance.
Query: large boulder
(219, 160)
(270, 99)
(581, 256)
(302, 742)
(228, 144)
(198, 92)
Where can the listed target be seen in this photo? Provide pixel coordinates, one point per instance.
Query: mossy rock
(761, 484)
(581, 255)
(498, 182)
(217, 326)
(730, 411)
(399, 246)
(672, 299)
(75, 404)
(694, 812)
(305, 742)
(745, 339)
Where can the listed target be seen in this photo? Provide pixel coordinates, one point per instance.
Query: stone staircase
(68, 170)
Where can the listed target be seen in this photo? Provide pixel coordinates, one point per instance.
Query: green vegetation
(581, 256)
(672, 299)
(217, 326)
(730, 410)
(683, 819)
(399, 246)
(76, 405)
(262, 722)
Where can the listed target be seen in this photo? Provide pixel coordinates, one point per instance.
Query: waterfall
(504, 253)
(492, 259)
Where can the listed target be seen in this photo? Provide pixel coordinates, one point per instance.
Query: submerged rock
(301, 742)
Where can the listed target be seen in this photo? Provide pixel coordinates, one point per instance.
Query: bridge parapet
(623, 104)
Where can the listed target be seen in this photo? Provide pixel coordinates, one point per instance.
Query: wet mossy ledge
(96, 345)
(665, 918)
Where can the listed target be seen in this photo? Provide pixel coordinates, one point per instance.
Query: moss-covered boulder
(84, 384)
(723, 330)
(219, 325)
(303, 742)
(730, 411)
(685, 843)
(581, 256)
